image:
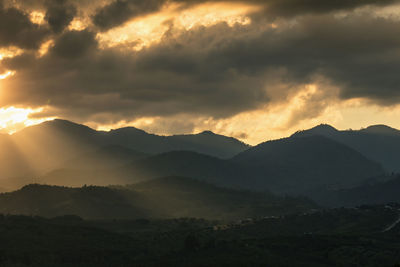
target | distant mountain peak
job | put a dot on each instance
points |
(381, 129)
(129, 129)
(322, 129)
(325, 126)
(207, 133)
(57, 124)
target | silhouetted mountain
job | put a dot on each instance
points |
(49, 145)
(296, 165)
(206, 142)
(221, 146)
(381, 129)
(379, 143)
(165, 197)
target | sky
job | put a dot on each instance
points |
(255, 70)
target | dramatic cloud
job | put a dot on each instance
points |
(120, 11)
(59, 14)
(16, 29)
(307, 55)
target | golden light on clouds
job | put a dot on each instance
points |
(10, 52)
(77, 25)
(13, 119)
(37, 17)
(44, 48)
(6, 75)
(276, 121)
(148, 30)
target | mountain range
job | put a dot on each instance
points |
(49, 145)
(63, 153)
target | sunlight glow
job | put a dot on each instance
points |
(9, 52)
(13, 119)
(37, 17)
(77, 25)
(6, 75)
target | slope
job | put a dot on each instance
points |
(163, 198)
(297, 165)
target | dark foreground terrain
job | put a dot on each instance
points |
(363, 236)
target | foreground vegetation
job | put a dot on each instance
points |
(337, 237)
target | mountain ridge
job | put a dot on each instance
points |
(379, 143)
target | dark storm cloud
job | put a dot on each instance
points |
(59, 14)
(16, 29)
(120, 11)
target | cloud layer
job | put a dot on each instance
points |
(347, 49)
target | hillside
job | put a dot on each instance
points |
(50, 201)
(171, 197)
(297, 165)
(288, 166)
(184, 197)
(369, 194)
(379, 143)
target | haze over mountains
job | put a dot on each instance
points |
(63, 153)
(50, 144)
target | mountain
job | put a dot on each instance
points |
(206, 142)
(170, 197)
(381, 129)
(49, 145)
(299, 164)
(379, 143)
(210, 143)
